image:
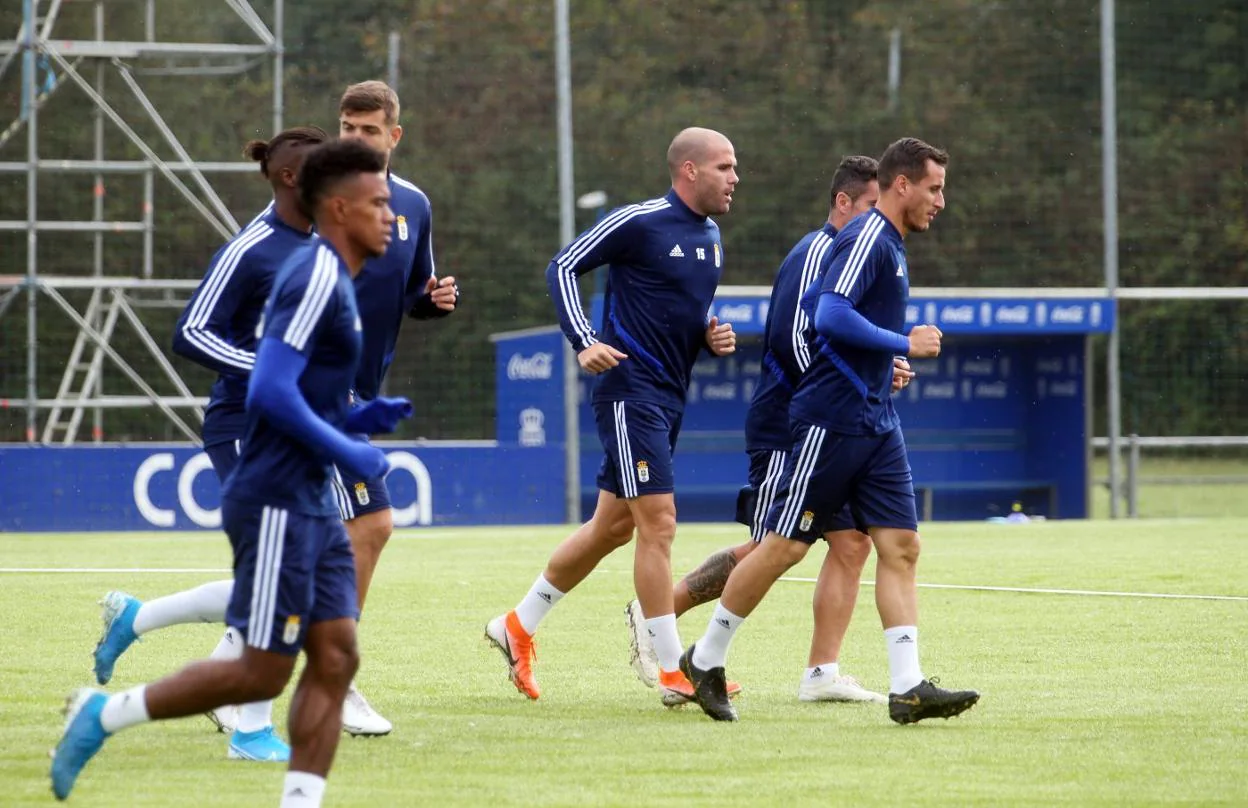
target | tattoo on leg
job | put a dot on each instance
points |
(707, 582)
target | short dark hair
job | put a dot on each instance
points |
(262, 150)
(852, 176)
(326, 165)
(370, 96)
(909, 156)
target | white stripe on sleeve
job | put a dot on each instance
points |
(579, 249)
(211, 289)
(858, 256)
(315, 297)
(810, 271)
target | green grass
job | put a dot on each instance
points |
(1086, 700)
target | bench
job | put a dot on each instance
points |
(925, 492)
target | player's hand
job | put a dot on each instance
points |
(902, 374)
(443, 292)
(925, 341)
(378, 416)
(600, 357)
(721, 339)
(364, 460)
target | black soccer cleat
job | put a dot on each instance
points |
(710, 688)
(926, 700)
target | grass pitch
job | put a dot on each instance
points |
(1086, 700)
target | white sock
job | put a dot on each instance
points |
(666, 641)
(230, 647)
(541, 599)
(712, 650)
(250, 718)
(255, 716)
(903, 657)
(125, 709)
(302, 790)
(822, 670)
(203, 604)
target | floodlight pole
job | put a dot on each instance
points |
(1109, 198)
(30, 109)
(567, 230)
(279, 65)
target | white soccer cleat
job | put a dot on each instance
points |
(837, 688)
(641, 653)
(359, 718)
(224, 718)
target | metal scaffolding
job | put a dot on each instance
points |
(85, 64)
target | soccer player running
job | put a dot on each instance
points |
(401, 282)
(664, 262)
(293, 570)
(218, 330)
(847, 443)
(854, 190)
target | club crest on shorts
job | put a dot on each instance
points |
(361, 493)
(643, 471)
(808, 519)
(402, 223)
(291, 633)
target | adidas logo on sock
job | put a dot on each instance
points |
(904, 638)
(816, 673)
(296, 792)
(723, 621)
(676, 252)
(544, 596)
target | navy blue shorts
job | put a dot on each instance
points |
(290, 571)
(825, 472)
(639, 440)
(357, 496)
(755, 500)
(224, 457)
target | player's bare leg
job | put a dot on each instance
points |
(702, 585)
(911, 696)
(836, 592)
(754, 576)
(255, 676)
(704, 661)
(655, 516)
(706, 583)
(610, 528)
(316, 708)
(92, 717)
(896, 593)
(369, 534)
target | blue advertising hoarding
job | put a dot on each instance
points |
(173, 487)
(1000, 417)
(1012, 316)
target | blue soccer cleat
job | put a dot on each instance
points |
(262, 745)
(82, 738)
(119, 612)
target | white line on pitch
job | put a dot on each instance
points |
(158, 570)
(1088, 592)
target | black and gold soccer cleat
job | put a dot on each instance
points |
(710, 688)
(926, 700)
